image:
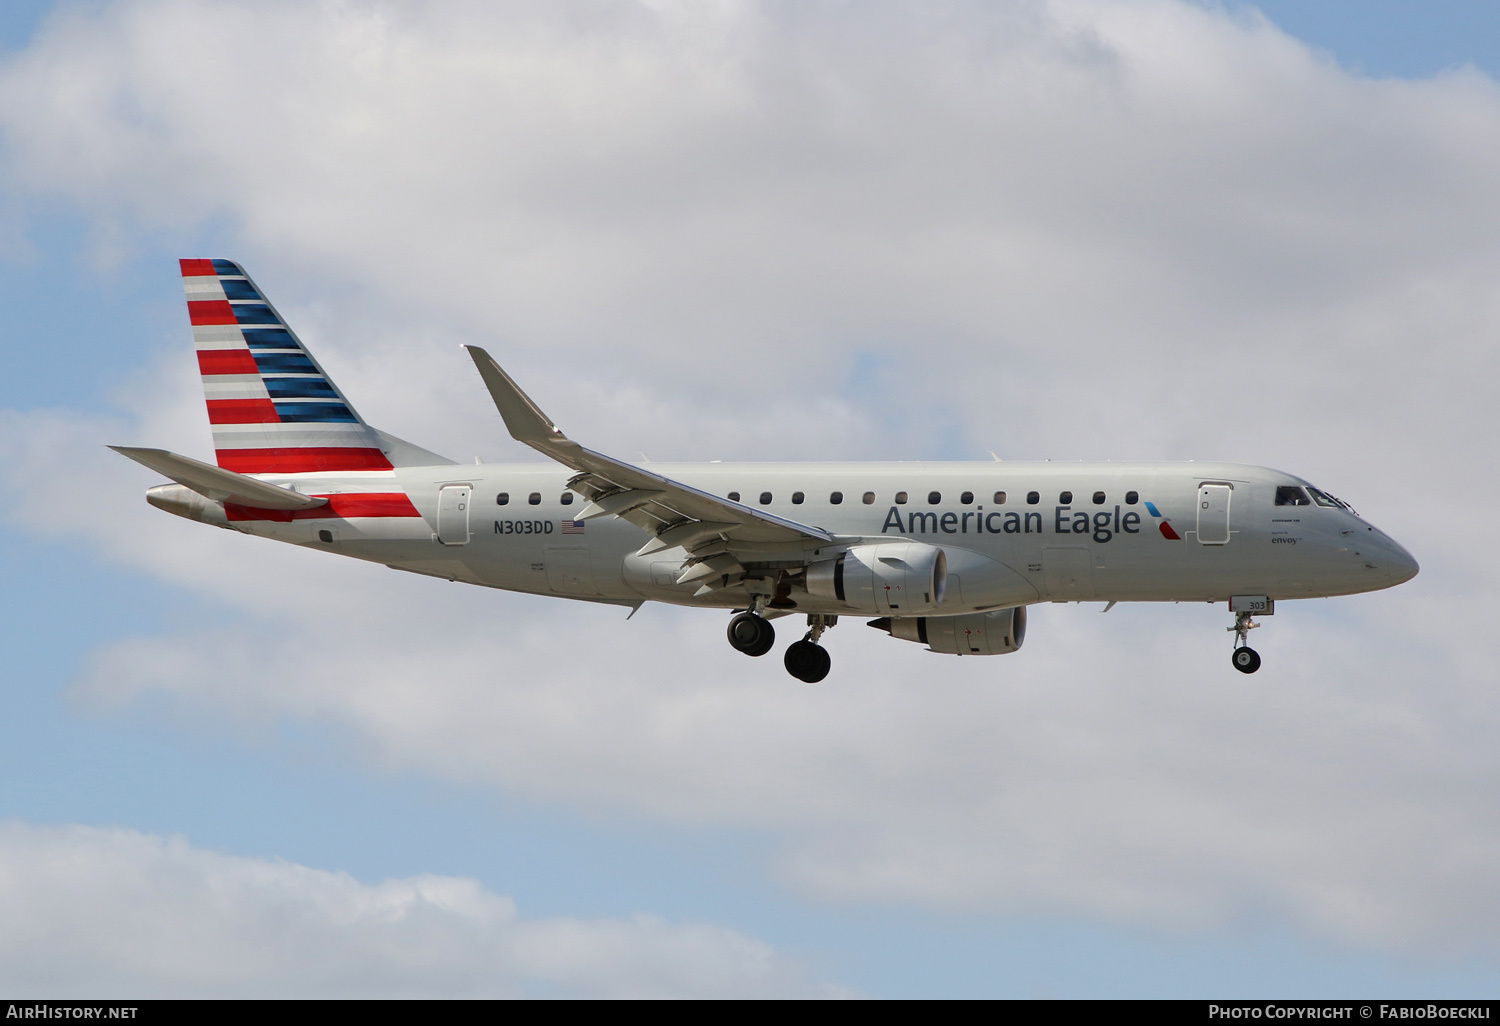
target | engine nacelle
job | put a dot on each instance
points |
(897, 578)
(994, 633)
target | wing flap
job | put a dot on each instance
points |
(617, 503)
(689, 534)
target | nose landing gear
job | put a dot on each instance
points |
(1244, 658)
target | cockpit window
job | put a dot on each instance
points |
(1324, 499)
(1291, 495)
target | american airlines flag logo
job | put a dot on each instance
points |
(572, 527)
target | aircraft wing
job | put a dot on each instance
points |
(716, 532)
(218, 484)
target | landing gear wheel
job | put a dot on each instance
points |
(1246, 660)
(807, 662)
(752, 634)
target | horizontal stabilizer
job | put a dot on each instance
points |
(219, 484)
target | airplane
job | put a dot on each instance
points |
(944, 554)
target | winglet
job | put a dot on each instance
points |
(219, 484)
(524, 418)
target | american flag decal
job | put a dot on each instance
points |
(572, 527)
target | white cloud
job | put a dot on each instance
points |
(1037, 199)
(1070, 229)
(115, 913)
(1112, 769)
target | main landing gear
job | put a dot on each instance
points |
(751, 633)
(1244, 658)
(807, 660)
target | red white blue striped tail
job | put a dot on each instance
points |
(271, 407)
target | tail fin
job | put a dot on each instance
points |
(271, 407)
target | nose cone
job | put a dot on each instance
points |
(1403, 566)
(1387, 558)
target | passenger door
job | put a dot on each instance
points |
(1213, 513)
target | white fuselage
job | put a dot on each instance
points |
(1094, 531)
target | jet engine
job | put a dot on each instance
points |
(994, 633)
(899, 578)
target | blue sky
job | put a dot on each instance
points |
(1392, 38)
(92, 315)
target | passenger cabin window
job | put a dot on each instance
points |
(503, 499)
(999, 498)
(535, 498)
(901, 498)
(835, 498)
(868, 499)
(765, 498)
(1131, 498)
(567, 499)
(734, 496)
(1098, 498)
(1064, 498)
(966, 498)
(933, 498)
(1291, 495)
(1032, 498)
(797, 498)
